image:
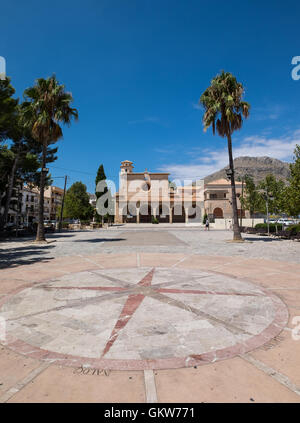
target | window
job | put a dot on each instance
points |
(213, 196)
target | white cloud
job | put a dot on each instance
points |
(214, 160)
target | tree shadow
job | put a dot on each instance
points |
(263, 238)
(20, 256)
(59, 235)
(100, 240)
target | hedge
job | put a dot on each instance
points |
(272, 227)
(295, 229)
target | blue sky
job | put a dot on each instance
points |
(137, 68)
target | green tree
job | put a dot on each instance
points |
(77, 204)
(251, 200)
(274, 190)
(292, 192)
(99, 193)
(47, 106)
(7, 108)
(224, 111)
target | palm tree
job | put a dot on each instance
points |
(224, 108)
(46, 105)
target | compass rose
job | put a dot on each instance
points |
(177, 289)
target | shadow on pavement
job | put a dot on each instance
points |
(100, 240)
(59, 235)
(264, 239)
(20, 256)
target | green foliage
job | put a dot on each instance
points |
(77, 204)
(272, 227)
(292, 192)
(275, 189)
(295, 229)
(108, 199)
(223, 105)
(154, 220)
(204, 218)
(7, 108)
(251, 199)
(47, 105)
(100, 177)
(172, 185)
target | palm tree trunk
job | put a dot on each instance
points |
(40, 234)
(10, 188)
(236, 228)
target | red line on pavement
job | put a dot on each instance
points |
(131, 305)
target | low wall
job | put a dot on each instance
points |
(227, 223)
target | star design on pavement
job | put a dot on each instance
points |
(135, 296)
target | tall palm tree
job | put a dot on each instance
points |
(224, 111)
(46, 106)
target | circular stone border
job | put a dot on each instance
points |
(277, 325)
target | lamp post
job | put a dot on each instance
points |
(267, 196)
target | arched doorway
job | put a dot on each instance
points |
(178, 214)
(145, 213)
(218, 213)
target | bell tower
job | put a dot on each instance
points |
(126, 166)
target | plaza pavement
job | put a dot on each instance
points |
(150, 313)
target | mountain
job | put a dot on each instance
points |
(256, 167)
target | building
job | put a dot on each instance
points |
(30, 200)
(52, 200)
(14, 211)
(30, 203)
(217, 199)
(144, 196)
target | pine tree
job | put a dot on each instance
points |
(7, 108)
(101, 177)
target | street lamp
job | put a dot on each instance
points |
(267, 196)
(229, 173)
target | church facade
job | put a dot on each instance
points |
(145, 197)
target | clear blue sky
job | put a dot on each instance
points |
(137, 68)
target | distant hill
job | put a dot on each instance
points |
(256, 167)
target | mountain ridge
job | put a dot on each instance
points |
(256, 167)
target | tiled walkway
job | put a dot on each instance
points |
(150, 326)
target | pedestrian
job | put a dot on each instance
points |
(207, 224)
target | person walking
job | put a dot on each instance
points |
(207, 224)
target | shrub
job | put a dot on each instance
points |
(271, 225)
(85, 222)
(154, 220)
(294, 229)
